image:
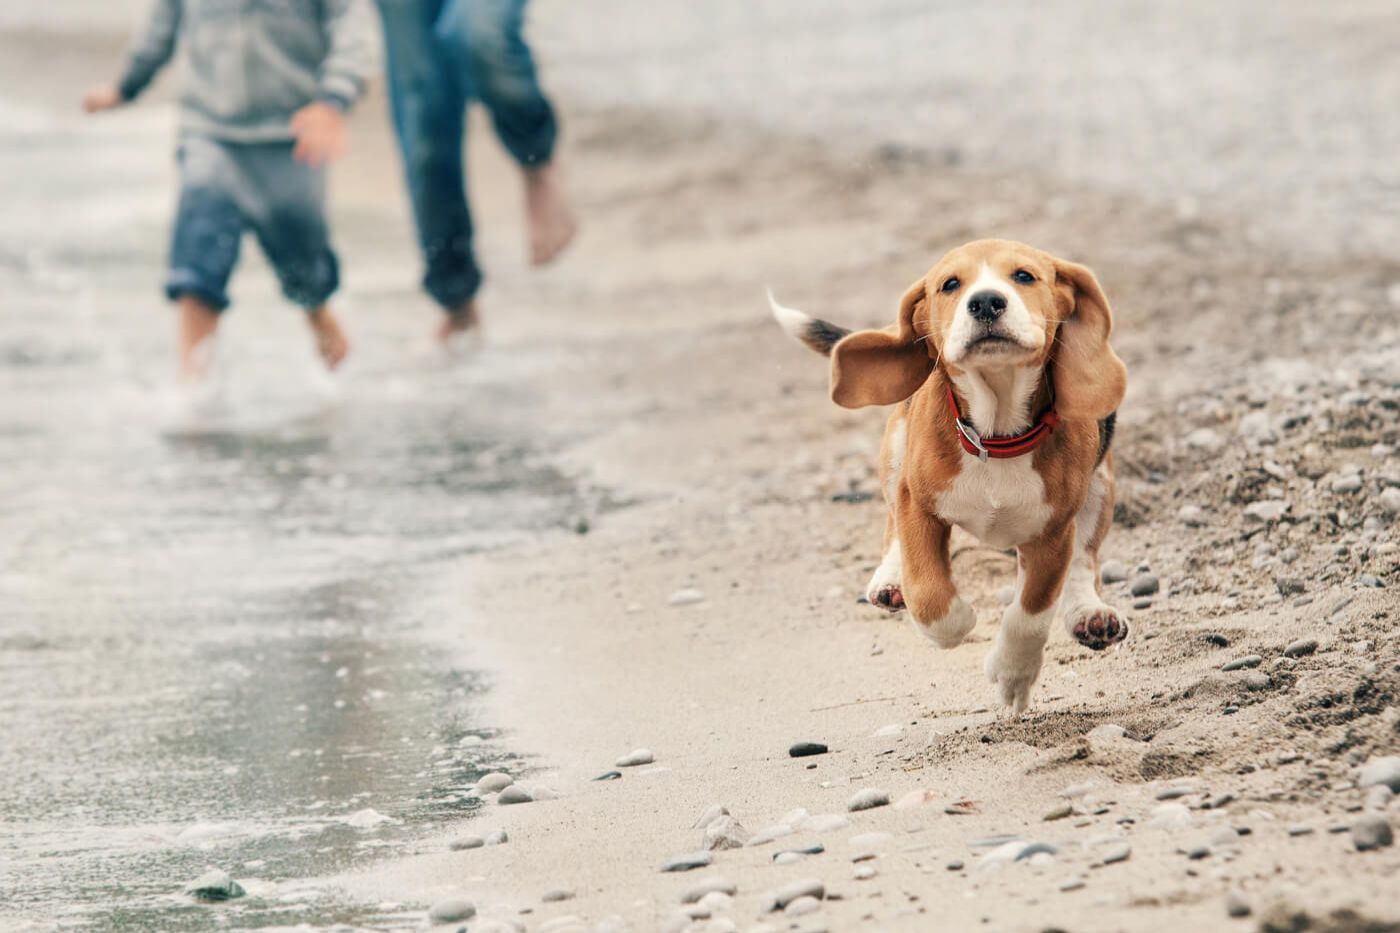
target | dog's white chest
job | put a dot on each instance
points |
(1001, 502)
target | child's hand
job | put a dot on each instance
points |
(102, 97)
(320, 133)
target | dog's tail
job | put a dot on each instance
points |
(817, 334)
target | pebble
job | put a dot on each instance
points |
(1225, 836)
(1142, 602)
(1300, 829)
(725, 832)
(1270, 510)
(788, 856)
(713, 812)
(497, 837)
(955, 865)
(1300, 648)
(804, 749)
(1239, 664)
(863, 872)
(1378, 797)
(1192, 516)
(1371, 832)
(556, 895)
(868, 799)
(686, 597)
(609, 776)
(1059, 812)
(1196, 853)
(640, 756)
(466, 842)
(215, 885)
(1205, 439)
(1113, 571)
(1289, 586)
(494, 782)
(1390, 500)
(1117, 853)
(452, 910)
(803, 887)
(1383, 770)
(1074, 884)
(1236, 906)
(1075, 791)
(688, 862)
(514, 794)
(1216, 639)
(802, 906)
(1347, 483)
(1144, 585)
(1218, 801)
(1175, 792)
(702, 889)
(1256, 680)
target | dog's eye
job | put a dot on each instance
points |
(1022, 276)
(951, 285)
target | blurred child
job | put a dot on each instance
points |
(266, 85)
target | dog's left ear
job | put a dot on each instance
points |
(883, 367)
(1089, 377)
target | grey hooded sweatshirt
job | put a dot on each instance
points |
(250, 64)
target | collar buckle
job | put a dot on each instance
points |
(970, 434)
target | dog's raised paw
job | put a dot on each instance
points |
(1097, 628)
(888, 597)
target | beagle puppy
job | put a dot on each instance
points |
(1005, 389)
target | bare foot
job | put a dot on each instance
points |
(552, 224)
(465, 320)
(331, 342)
(198, 324)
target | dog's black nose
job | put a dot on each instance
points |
(986, 306)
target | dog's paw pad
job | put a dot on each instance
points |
(889, 597)
(1099, 628)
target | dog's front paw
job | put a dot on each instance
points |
(949, 631)
(888, 597)
(1096, 627)
(1013, 670)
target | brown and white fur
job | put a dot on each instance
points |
(1050, 327)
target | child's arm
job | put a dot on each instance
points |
(320, 126)
(149, 53)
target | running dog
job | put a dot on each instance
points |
(1006, 390)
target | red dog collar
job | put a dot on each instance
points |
(1002, 448)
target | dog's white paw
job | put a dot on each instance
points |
(1013, 670)
(887, 596)
(949, 631)
(1096, 626)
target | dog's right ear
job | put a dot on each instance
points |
(882, 367)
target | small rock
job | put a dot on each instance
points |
(1074, 883)
(1196, 853)
(452, 910)
(1289, 586)
(725, 832)
(1257, 680)
(1144, 585)
(466, 842)
(1113, 571)
(863, 872)
(1205, 440)
(1218, 801)
(1378, 797)
(1213, 638)
(1116, 853)
(1225, 836)
(1383, 770)
(632, 759)
(1371, 832)
(802, 906)
(1298, 829)
(804, 749)
(1390, 500)
(514, 794)
(804, 887)
(701, 889)
(1142, 602)
(556, 895)
(497, 837)
(1175, 792)
(1239, 664)
(955, 865)
(214, 885)
(1347, 483)
(1058, 812)
(1270, 510)
(814, 849)
(1300, 648)
(688, 862)
(868, 799)
(1236, 906)
(686, 597)
(1192, 516)
(494, 782)
(609, 776)
(713, 812)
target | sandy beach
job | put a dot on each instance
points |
(697, 597)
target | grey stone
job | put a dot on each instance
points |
(514, 794)
(1300, 648)
(1270, 510)
(1206, 440)
(713, 812)
(1074, 883)
(688, 862)
(864, 872)
(1239, 664)
(802, 906)
(779, 898)
(556, 895)
(1347, 483)
(1236, 906)
(215, 885)
(1257, 680)
(806, 749)
(1113, 571)
(1218, 801)
(1371, 832)
(609, 776)
(1378, 797)
(1192, 516)
(1144, 585)
(493, 782)
(814, 849)
(1142, 602)
(1300, 829)
(1390, 500)
(466, 842)
(698, 890)
(1058, 812)
(451, 910)
(1289, 586)
(1116, 853)
(725, 832)
(1176, 791)
(1195, 853)
(955, 865)
(497, 837)
(686, 597)
(640, 756)
(868, 799)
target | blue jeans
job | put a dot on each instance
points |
(441, 54)
(228, 188)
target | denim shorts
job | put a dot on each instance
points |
(228, 188)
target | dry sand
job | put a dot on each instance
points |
(722, 434)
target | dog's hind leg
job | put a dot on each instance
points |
(1088, 619)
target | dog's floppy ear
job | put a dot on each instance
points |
(1089, 377)
(882, 367)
